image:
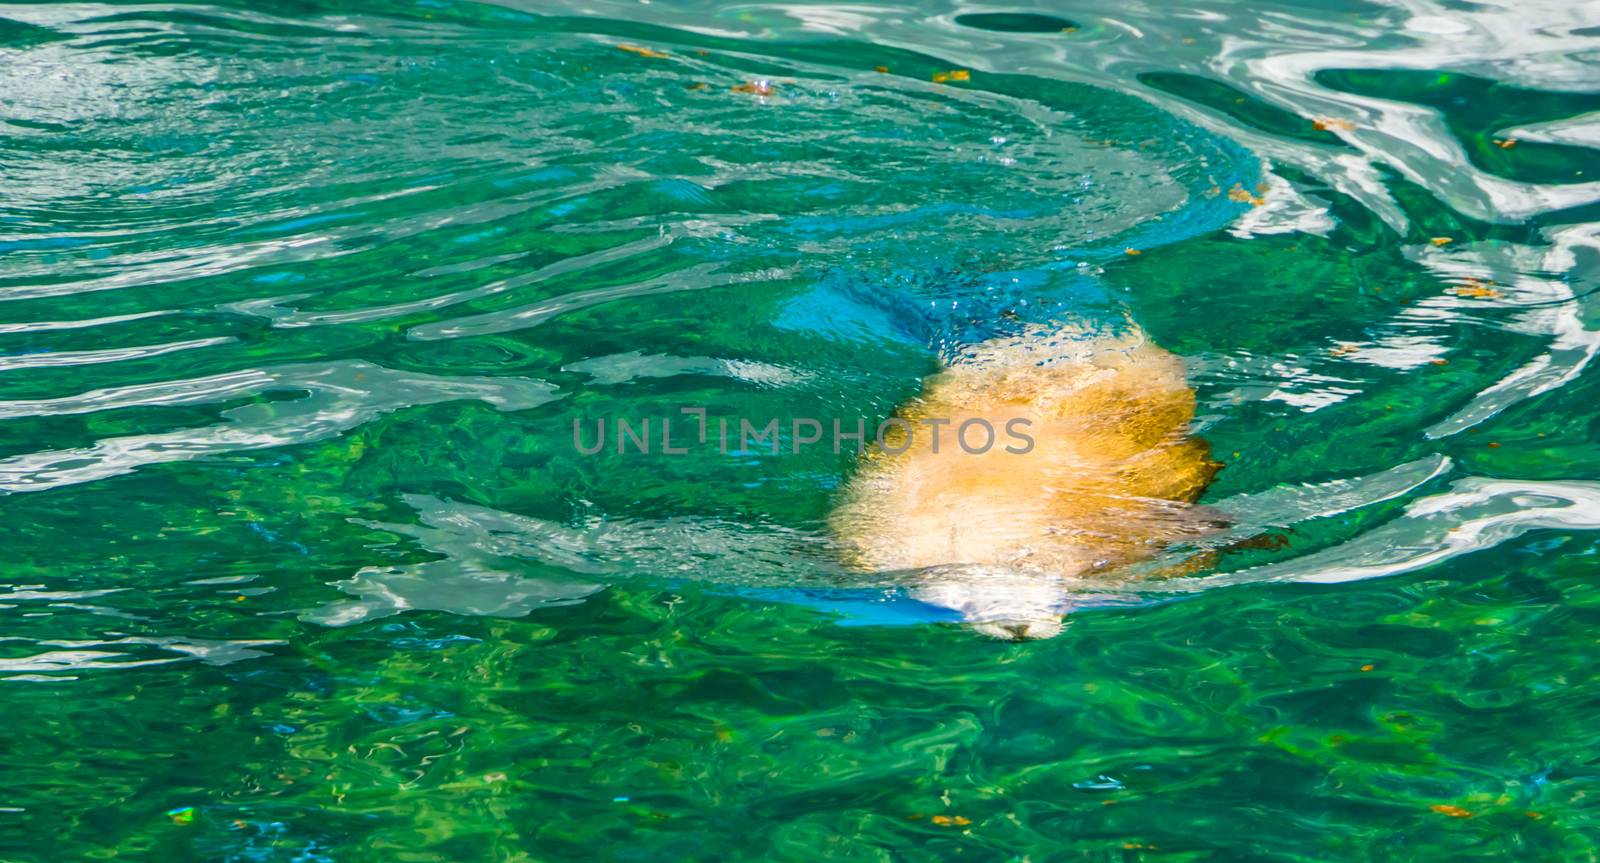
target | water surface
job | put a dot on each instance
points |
(299, 302)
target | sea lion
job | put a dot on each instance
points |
(1005, 534)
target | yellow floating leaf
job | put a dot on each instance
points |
(1452, 811)
(881, 69)
(951, 820)
(1325, 123)
(1506, 143)
(1368, 667)
(762, 87)
(1475, 291)
(1132, 251)
(642, 51)
(952, 75)
(1439, 362)
(1242, 195)
(1441, 241)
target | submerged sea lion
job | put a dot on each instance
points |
(1005, 535)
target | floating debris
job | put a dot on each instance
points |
(1368, 667)
(1452, 811)
(881, 69)
(951, 820)
(1333, 123)
(1439, 362)
(1242, 195)
(698, 85)
(642, 51)
(952, 75)
(761, 87)
(1506, 143)
(1475, 290)
(1344, 348)
(1441, 241)
(1131, 251)
(182, 815)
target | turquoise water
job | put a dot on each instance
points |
(299, 303)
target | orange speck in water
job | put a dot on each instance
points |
(1132, 251)
(1368, 667)
(1494, 444)
(699, 85)
(1506, 143)
(1452, 811)
(1242, 195)
(1534, 815)
(1441, 241)
(1325, 123)
(642, 51)
(759, 88)
(881, 69)
(1439, 362)
(951, 820)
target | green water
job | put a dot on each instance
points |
(299, 303)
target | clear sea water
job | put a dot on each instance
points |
(299, 302)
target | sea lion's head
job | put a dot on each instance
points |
(1000, 603)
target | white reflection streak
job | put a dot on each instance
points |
(1573, 345)
(341, 396)
(54, 359)
(1475, 514)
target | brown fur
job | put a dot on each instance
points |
(1108, 482)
